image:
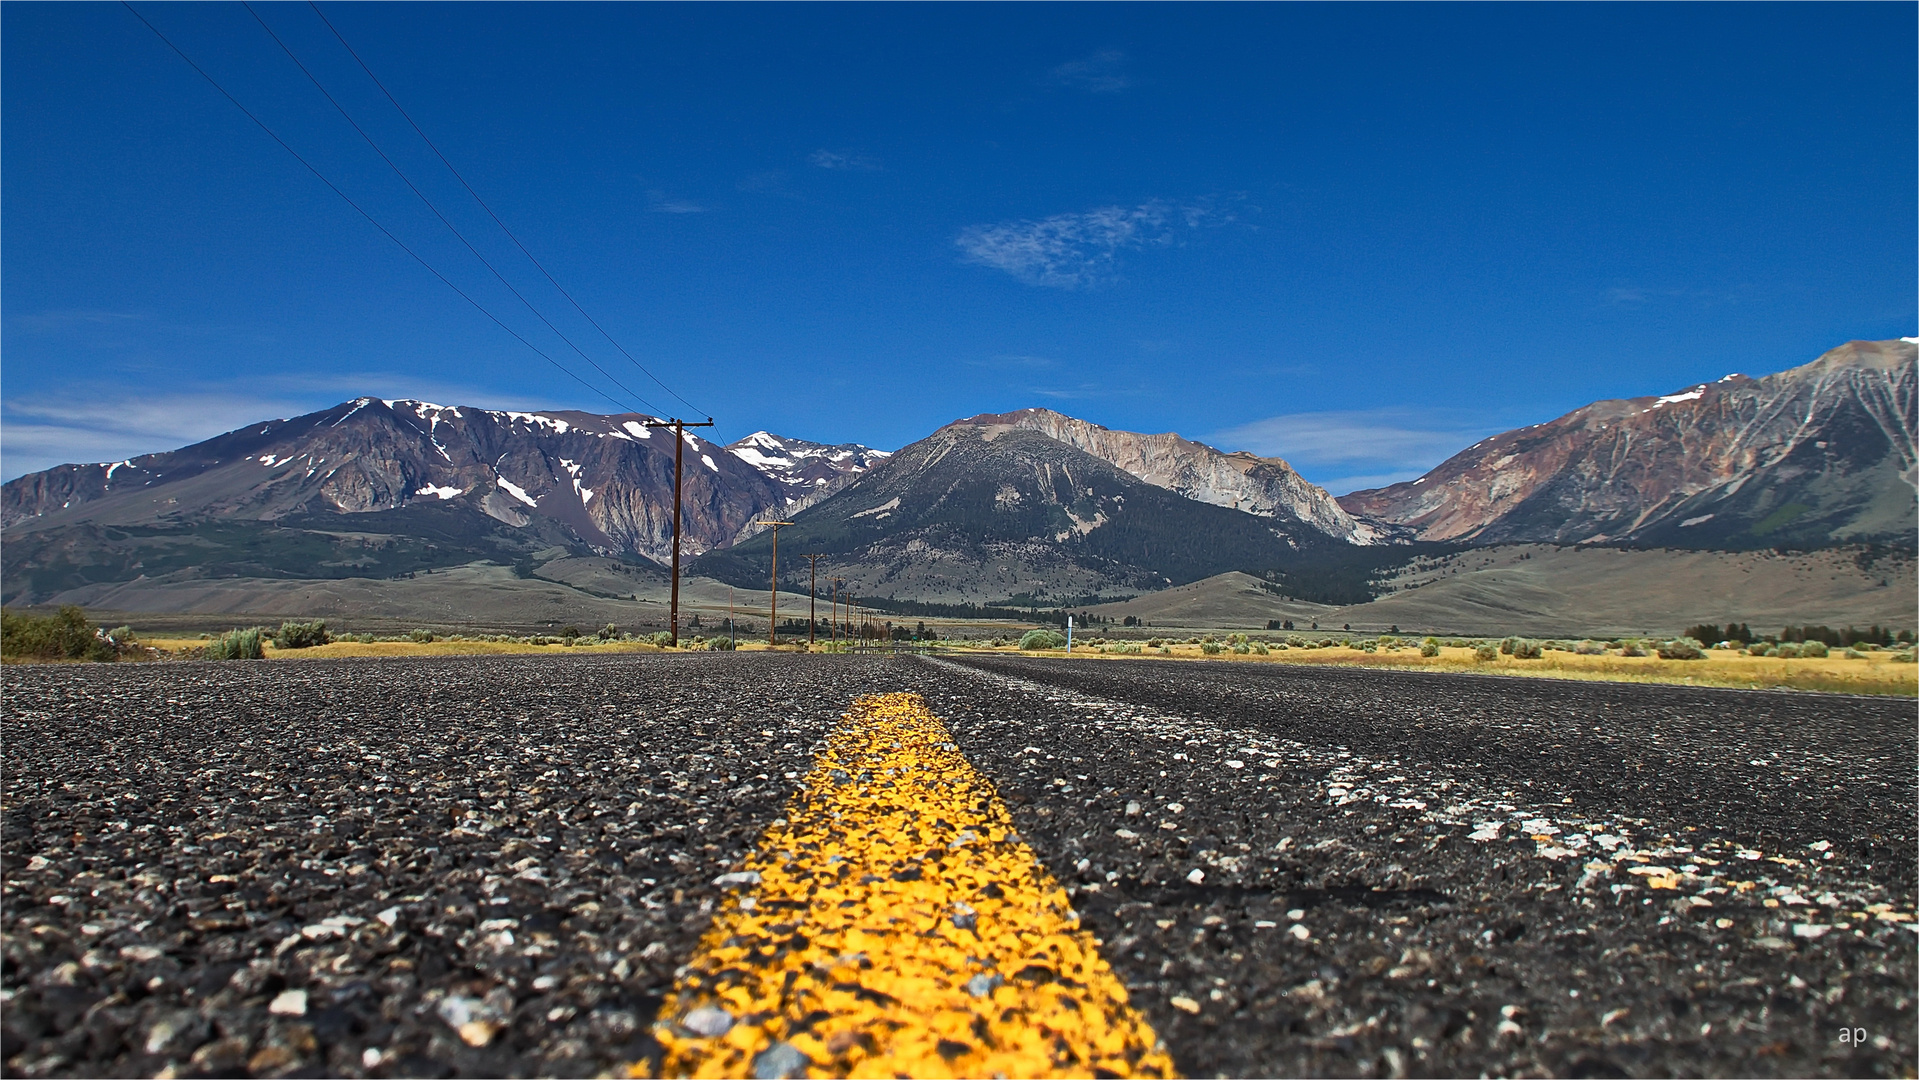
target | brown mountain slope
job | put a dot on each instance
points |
(1548, 591)
(1821, 454)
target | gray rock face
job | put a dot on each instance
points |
(1266, 487)
(1823, 453)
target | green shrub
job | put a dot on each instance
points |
(1429, 647)
(421, 637)
(1523, 648)
(1815, 648)
(1630, 647)
(1485, 650)
(1236, 639)
(1241, 648)
(1209, 647)
(1042, 639)
(64, 635)
(1905, 657)
(570, 633)
(301, 635)
(1259, 648)
(1684, 648)
(1589, 647)
(1508, 645)
(1854, 654)
(662, 638)
(609, 632)
(238, 645)
(720, 644)
(1156, 643)
(1785, 650)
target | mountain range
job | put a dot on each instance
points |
(1031, 506)
(1821, 454)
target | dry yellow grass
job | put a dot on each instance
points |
(1876, 673)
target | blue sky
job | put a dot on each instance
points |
(1360, 237)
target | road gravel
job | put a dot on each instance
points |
(496, 866)
(1352, 872)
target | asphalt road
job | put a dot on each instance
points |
(500, 865)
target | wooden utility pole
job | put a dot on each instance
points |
(773, 608)
(835, 628)
(813, 598)
(679, 442)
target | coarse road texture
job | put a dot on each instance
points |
(510, 865)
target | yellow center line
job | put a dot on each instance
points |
(894, 924)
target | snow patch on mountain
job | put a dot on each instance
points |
(515, 490)
(810, 471)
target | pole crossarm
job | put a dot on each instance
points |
(679, 442)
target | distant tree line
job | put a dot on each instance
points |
(1851, 635)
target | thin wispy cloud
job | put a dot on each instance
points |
(1072, 393)
(1013, 361)
(47, 322)
(1101, 73)
(1348, 450)
(833, 159)
(773, 182)
(1073, 251)
(41, 431)
(1634, 296)
(660, 202)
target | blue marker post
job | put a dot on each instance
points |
(1069, 635)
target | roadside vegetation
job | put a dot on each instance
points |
(1871, 661)
(1864, 668)
(64, 635)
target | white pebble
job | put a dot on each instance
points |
(289, 1003)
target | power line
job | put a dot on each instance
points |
(489, 210)
(421, 195)
(384, 231)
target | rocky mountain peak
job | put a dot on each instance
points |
(801, 464)
(1263, 486)
(810, 471)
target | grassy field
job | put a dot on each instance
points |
(1876, 673)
